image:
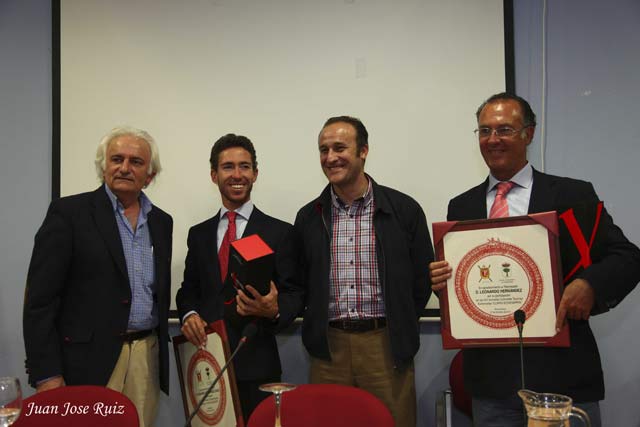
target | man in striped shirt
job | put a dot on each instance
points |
(364, 253)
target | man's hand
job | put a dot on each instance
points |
(576, 303)
(193, 330)
(440, 272)
(50, 384)
(261, 305)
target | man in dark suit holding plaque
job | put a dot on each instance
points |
(598, 273)
(97, 299)
(207, 293)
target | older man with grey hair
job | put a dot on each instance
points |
(98, 287)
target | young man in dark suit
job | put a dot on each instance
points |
(207, 293)
(506, 126)
(97, 298)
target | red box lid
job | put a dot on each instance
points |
(251, 247)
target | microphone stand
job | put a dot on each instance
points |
(243, 340)
(521, 355)
(519, 317)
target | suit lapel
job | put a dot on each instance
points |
(209, 248)
(477, 208)
(254, 224)
(479, 202)
(542, 193)
(106, 225)
(160, 250)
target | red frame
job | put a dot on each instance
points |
(549, 220)
(218, 328)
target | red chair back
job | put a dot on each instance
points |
(78, 406)
(322, 405)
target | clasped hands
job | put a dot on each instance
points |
(257, 305)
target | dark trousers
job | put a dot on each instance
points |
(250, 395)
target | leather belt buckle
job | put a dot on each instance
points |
(135, 335)
(358, 325)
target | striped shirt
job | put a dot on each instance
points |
(355, 291)
(138, 254)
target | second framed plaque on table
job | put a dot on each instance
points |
(197, 369)
(500, 266)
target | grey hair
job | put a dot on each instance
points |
(101, 152)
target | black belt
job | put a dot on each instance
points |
(135, 335)
(359, 325)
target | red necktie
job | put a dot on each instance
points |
(500, 207)
(229, 236)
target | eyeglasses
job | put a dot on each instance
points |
(501, 132)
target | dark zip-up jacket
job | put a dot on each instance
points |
(404, 251)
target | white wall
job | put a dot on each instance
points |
(25, 159)
(275, 71)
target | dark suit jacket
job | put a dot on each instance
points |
(203, 292)
(77, 299)
(574, 371)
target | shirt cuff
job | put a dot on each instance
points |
(189, 313)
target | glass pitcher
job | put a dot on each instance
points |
(550, 410)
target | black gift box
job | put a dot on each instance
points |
(251, 262)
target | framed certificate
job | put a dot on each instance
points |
(500, 266)
(197, 369)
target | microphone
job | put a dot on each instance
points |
(519, 317)
(247, 333)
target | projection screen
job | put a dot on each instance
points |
(191, 71)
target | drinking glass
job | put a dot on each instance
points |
(277, 389)
(10, 400)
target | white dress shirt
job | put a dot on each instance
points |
(244, 212)
(518, 197)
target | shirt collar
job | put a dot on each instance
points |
(524, 178)
(366, 198)
(145, 203)
(244, 211)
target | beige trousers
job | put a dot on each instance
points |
(136, 375)
(363, 360)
